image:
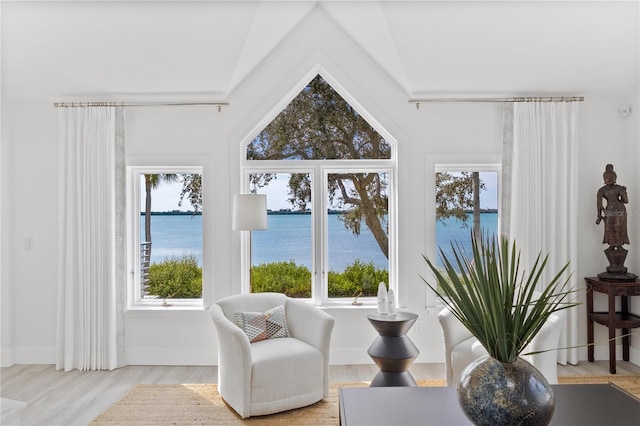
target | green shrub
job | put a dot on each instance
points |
(357, 277)
(295, 280)
(177, 277)
(281, 277)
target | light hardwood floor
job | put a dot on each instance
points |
(76, 398)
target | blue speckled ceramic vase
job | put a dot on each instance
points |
(495, 393)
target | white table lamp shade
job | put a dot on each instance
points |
(249, 212)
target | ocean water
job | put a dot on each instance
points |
(174, 235)
(288, 237)
(454, 230)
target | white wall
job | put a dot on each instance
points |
(606, 137)
(6, 293)
(633, 142)
(632, 146)
(434, 133)
(31, 240)
(433, 130)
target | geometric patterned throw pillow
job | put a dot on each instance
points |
(261, 326)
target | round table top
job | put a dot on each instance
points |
(397, 317)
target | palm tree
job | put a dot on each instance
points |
(151, 182)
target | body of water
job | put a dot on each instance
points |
(453, 230)
(174, 235)
(289, 238)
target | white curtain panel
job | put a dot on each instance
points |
(544, 201)
(91, 264)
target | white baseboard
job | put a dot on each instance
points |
(356, 356)
(6, 358)
(430, 356)
(26, 355)
(349, 357)
(634, 355)
(135, 356)
(195, 356)
(601, 353)
(171, 356)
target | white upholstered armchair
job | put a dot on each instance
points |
(273, 373)
(461, 348)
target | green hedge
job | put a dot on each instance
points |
(295, 280)
(180, 277)
(281, 277)
(357, 277)
(177, 277)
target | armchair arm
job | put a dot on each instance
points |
(309, 324)
(548, 340)
(234, 361)
(453, 333)
(312, 326)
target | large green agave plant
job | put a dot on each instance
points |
(494, 298)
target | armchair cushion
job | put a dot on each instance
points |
(282, 361)
(261, 326)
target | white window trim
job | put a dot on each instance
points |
(477, 163)
(392, 214)
(286, 166)
(134, 302)
(320, 169)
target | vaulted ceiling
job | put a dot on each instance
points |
(54, 49)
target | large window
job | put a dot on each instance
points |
(282, 255)
(166, 237)
(329, 180)
(466, 201)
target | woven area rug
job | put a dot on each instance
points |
(200, 404)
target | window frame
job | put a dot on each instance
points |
(490, 164)
(319, 171)
(134, 301)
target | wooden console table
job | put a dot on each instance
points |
(612, 319)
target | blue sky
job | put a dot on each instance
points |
(166, 197)
(489, 198)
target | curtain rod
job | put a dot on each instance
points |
(518, 99)
(136, 104)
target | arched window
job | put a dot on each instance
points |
(329, 178)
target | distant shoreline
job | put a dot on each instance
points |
(340, 211)
(271, 212)
(174, 213)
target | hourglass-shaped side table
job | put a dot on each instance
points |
(392, 351)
